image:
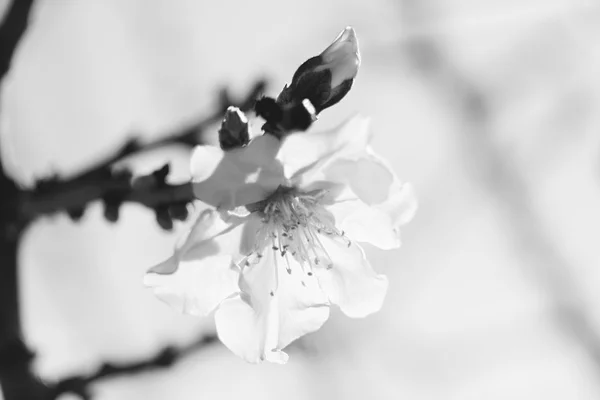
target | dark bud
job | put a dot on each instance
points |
(234, 129)
(325, 79)
(286, 119)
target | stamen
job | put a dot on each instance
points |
(295, 222)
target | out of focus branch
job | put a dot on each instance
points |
(190, 135)
(80, 385)
(115, 187)
(16, 378)
(12, 28)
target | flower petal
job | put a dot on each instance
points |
(196, 287)
(274, 308)
(379, 224)
(351, 283)
(239, 176)
(304, 155)
(201, 272)
(368, 175)
(342, 57)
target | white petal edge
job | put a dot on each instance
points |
(352, 283)
(378, 225)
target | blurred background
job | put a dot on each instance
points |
(489, 107)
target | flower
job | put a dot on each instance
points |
(325, 79)
(282, 243)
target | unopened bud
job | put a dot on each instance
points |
(326, 78)
(287, 119)
(234, 129)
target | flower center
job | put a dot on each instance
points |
(293, 224)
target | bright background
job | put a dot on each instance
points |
(489, 107)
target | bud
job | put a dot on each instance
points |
(326, 78)
(234, 129)
(283, 120)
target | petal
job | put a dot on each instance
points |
(239, 176)
(243, 332)
(363, 223)
(342, 57)
(368, 175)
(250, 234)
(197, 286)
(275, 308)
(375, 203)
(351, 283)
(379, 224)
(305, 154)
(201, 272)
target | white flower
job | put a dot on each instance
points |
(290, 216)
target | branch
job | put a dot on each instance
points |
(16, 379)
(114, 188)
(79, 385)
(11, 30)
(191, 134)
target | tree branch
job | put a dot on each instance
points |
(15, 375)
(168, 356)
(114, 188)
(11, 30)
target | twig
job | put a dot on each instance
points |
(16, 378)
(189, 135)
(11, 30)
(101, 182)
(80, 385)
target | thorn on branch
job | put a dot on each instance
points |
(160, 175)
(76, 213)
(179, 211)
(163, 217)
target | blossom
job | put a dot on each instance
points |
(282, 243)
(325, 79)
